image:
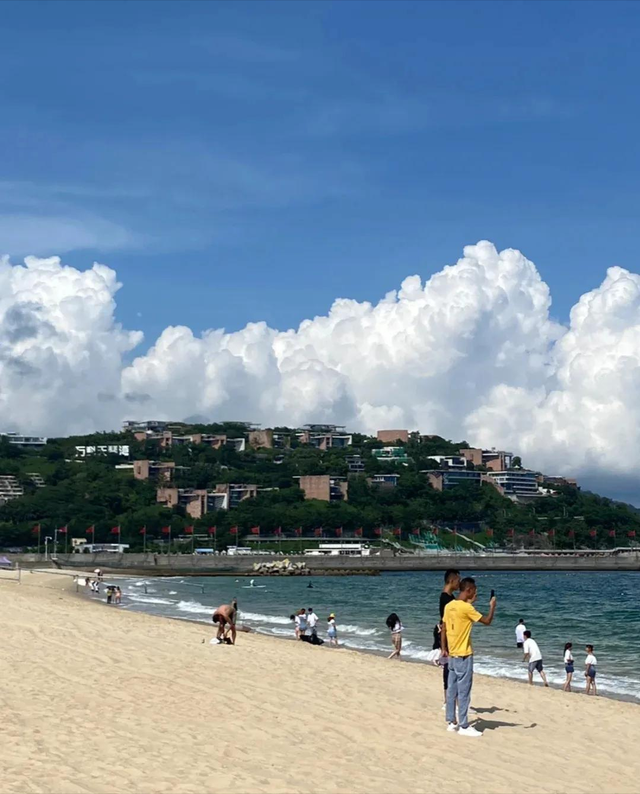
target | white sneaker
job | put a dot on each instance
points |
(452, 726)
(444, 707)
(469, 731)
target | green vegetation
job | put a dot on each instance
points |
(84, 492)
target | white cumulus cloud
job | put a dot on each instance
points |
(472, 352)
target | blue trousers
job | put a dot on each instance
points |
(460, 682)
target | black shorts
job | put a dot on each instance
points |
(519, 644)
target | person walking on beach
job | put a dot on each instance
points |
(394, 624)
(520, 630)
(109, 593)
(117, 596)
(312, 622)
(225, 617)
(332, 631)
(590, 664)
(534, 657)
(459, 617)
(568, 666)
(451, 585)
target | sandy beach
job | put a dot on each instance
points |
(98, 699)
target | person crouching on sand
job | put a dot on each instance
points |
(395, 626)
(568, 666)
(225, 617)
(332, 631)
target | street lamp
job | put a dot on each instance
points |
(46, 547)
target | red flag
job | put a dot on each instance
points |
(397, 532)
(532, 533)
(318, 532)
(277, 531)
(631, 533)
(612, 533)
(212, 530)
(115, 530)
(36, 530)
(298, 531)
(234, 530)
(91, 529)
(188, 530)
(415, 531)
(255, 530)
(338, 532)
(166, 530)
(510, 533)
(143, 531)
(592, 533)
(358, 532)
(489, 533)
(377, 532)
(572, 533)
(551, 533)
(435, 530)
(62, 530)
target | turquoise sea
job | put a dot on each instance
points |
(598, 608)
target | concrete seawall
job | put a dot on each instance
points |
(188, 565)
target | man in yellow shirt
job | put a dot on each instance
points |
(459, 617)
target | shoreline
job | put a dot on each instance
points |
(98, 701)
(616, 696)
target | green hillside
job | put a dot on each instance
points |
(91, 491)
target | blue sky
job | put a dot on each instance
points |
(245, 161)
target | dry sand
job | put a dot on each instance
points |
(97, 699)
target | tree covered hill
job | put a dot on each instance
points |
(79, 493)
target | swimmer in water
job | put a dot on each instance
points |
(251, 583)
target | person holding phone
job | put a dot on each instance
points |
(459, 617)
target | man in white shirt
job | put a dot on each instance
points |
(534, 657)
(520, 630)
(312, 622)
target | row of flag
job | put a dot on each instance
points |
(318, 532)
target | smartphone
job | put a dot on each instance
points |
(493, 592)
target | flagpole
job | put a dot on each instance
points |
(144, 540)
(55, 544)
(66, 541)
(39, 531)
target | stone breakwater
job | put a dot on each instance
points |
(187, 564)
(280, 568)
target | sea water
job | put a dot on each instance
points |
(597, 608)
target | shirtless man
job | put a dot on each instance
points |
(225, 617)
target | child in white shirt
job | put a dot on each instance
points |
(590, 664)
(394, 624)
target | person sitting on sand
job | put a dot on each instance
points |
(533, 655)
(225, 617)
(590, 671)
(568, 666)
(332, 631)
(395, 626)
